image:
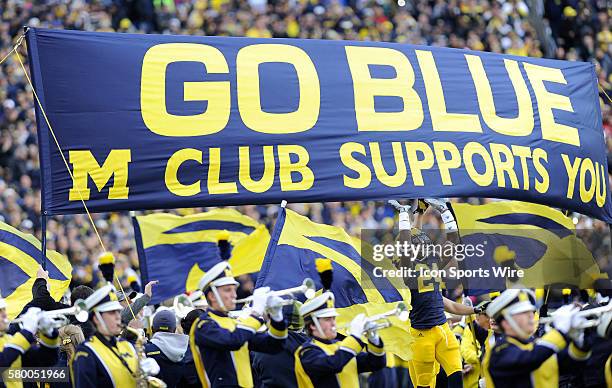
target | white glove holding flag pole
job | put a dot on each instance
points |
(274, 308)
(149, 366)
(29, 320)
(447, 216)
(260, 296)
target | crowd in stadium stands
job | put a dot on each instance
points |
(576, 30)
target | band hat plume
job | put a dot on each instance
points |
(106, 258)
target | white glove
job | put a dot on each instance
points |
(447, 216)
(437, 203)
(562, 318)
(149, 366)
(603, 327)
(46, 325)
(404, 214)
(29, 320)
(576, 334)
(357, 325)
(372, 333)
(274, 308)
(260, 296)
(577, 337)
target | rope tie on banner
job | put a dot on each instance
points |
(93, 225)
(14, 49)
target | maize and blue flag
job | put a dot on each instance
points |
(534, 238)
(20, 256)
(177, 250)
(295, 245)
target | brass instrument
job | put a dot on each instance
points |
(142, 379)
(59, 317)
(381, 321)
(307, 288)
(593, 317)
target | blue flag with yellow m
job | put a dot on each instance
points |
(538, 240)
(177, 250)
(20, 256)
(295, 245)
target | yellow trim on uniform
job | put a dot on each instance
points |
(301, 377)
(197, 357)
(118, 373)
(351, 343)
(154, 353)
(511, 340)
(71, 362)
(608, 371)
(19, 340)
(547, 374)
(240, 358)
(278, 334)
(489, 346)
(375, 350)
(250, 322)
(348, 376)
(578, 354)
(47, 341)
(555, 338)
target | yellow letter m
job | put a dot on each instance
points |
(84, 164)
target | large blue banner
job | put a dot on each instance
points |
(151, 122)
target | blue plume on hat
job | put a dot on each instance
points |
(225, 248)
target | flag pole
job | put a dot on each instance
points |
(43, 259)
(278, 227)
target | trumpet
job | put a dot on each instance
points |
(307, 288)
(237, 313)
(593, 317)
(59, 317)
(381, 321)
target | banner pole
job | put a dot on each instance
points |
(43, 261)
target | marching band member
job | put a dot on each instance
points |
(278, 370)
(20, 350)
(190, 375)
(167, 348)
(103, 360)
(434, 341)
(326, 362)
(516, 359)
(604, 330)
(220, 344)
